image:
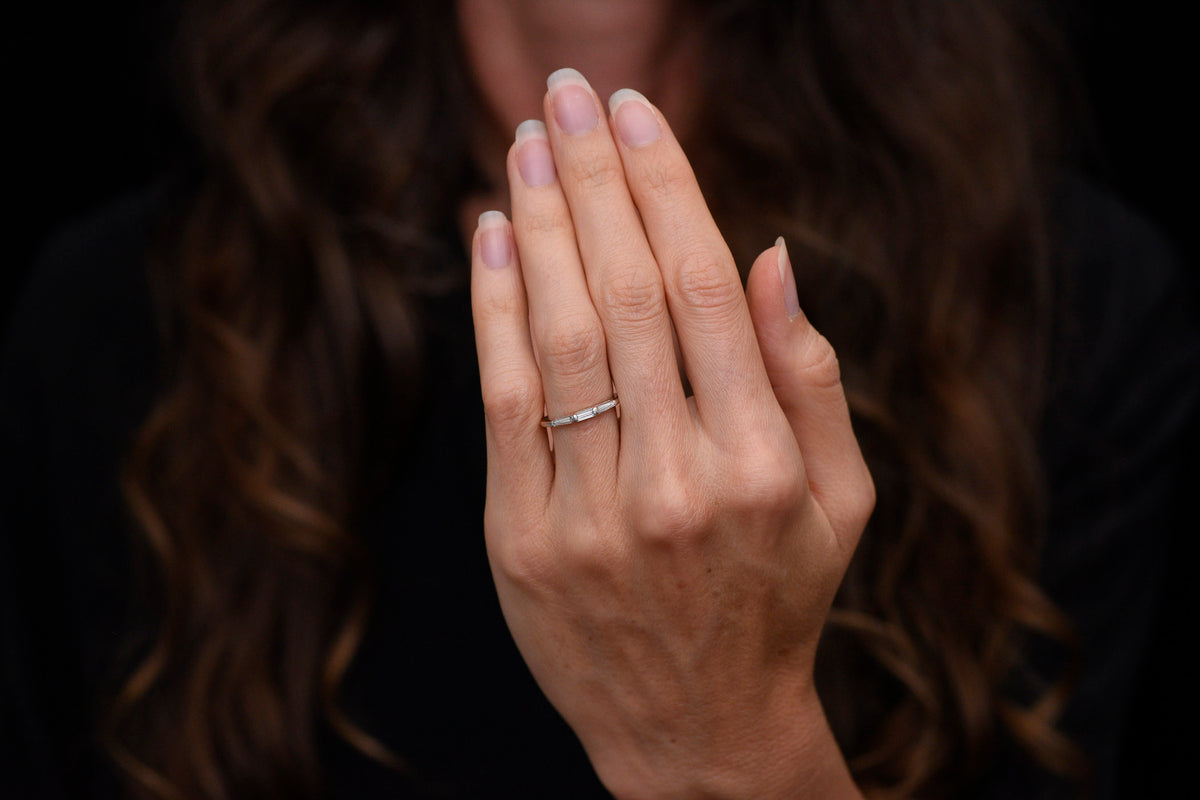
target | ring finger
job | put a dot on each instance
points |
(567, 334)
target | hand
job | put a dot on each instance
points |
(666, 574)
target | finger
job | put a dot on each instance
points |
(624, 281)
(519, 463)
(804, 374)
(704, 290)
(567, 334)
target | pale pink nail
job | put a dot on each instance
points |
(574, 106)
(535, 162)
(636, 122)
(790, 299)
(494, 245)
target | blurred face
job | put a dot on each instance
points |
(512, 45)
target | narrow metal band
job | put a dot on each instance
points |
(580, 416)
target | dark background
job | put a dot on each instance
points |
(88, 118)
(90, 113)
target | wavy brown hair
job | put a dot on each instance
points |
(901, 149)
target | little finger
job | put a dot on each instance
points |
(519, 464)
(806, 380)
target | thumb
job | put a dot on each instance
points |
(803, 369)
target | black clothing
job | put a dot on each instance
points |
(437, 677)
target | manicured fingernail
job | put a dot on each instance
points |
(790, 299)
(637, 124)
(534, 159)
(495, 246)
(574, 105)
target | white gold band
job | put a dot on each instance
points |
(580, 416)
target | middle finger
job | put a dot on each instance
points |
(623, 278)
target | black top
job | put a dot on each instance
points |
(437, 677)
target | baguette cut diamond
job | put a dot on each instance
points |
(580, 416)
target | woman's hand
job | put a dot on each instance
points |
(666, 574)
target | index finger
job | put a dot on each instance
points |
(703, 287)
(518, 458)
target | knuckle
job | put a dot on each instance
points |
(544, 221)
(821, 368)
(573, 347)
(525, 561)
(863, 505)
(668, 511)
(595, 171)
(511, 400)
(633, 296)
(589, 552)
(499, 306)
(667, 177)
(705, 281)
(770, 481)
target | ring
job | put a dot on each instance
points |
(580, 416)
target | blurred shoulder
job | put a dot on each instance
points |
(1126, 304)
(80, 357)
(1111, 254)
(1124, 406)
(86, 299)
(95, 260)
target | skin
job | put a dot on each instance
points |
(512, 45)
(666, 574)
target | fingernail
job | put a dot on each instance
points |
(636, 122)
(790, 299)
(494, 245)
(574, 106)
(534, 159)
